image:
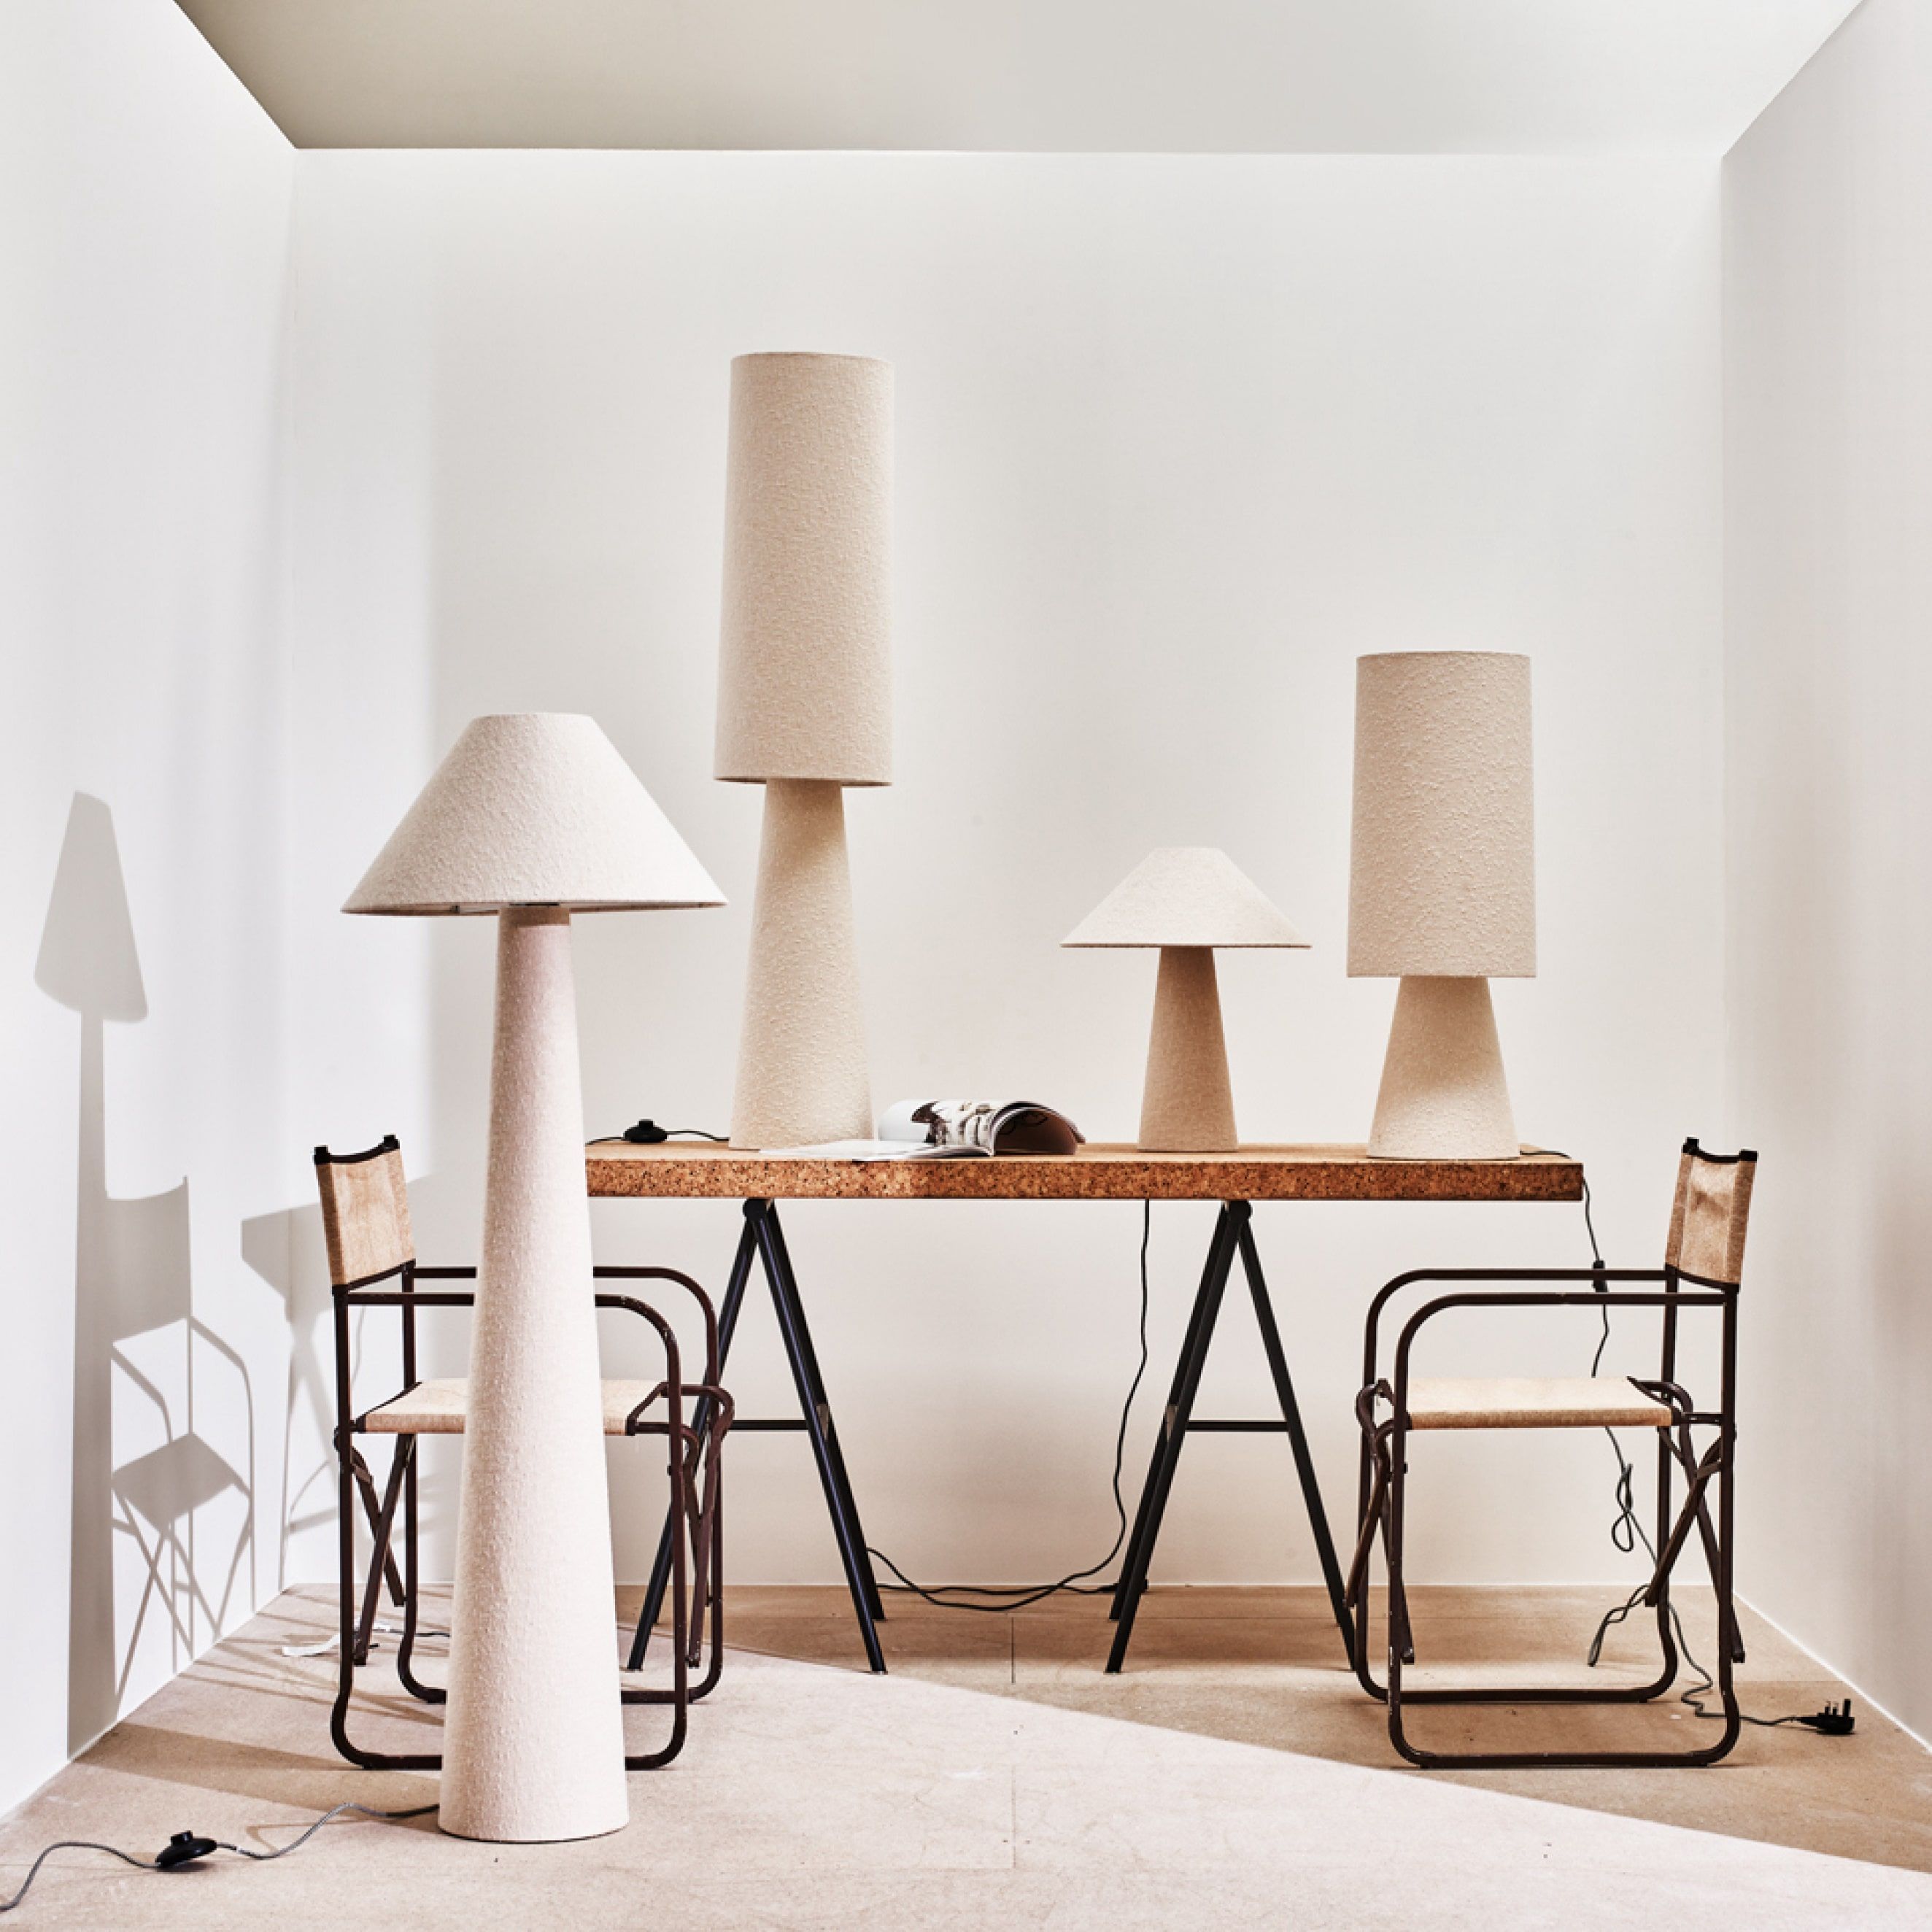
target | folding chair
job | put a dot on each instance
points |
(1703, 1261)
(365, 1218)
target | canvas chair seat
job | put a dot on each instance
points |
(439, 1408)
(1532, 1402)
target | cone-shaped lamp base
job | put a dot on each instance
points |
(802, 1072)
(1187, 1106)
(533, 1745)
(1443, 1095)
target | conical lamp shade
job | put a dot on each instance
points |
(1185, 896)
(533, 809)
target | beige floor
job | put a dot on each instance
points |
(989, 1782)
(1263, 1666)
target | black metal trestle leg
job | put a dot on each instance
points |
(763, 1239)
(1233, 1236)
(1298, 1437)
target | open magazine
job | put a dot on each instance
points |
(956, 1130)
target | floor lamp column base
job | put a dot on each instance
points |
(534, 1744)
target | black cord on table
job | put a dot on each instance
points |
(945, 1595)
(212, 1845)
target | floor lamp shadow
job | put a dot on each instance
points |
(133, 1277)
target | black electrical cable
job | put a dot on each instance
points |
(1627, 1533)
(189, 1847)
(945, 1595)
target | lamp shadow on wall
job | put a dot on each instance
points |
(138, 1343)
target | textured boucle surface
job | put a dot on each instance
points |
(1098, 1171)
(1185, 896)
(802, 1076)
(533, 1745)
(804, 645)
(1442, 875)
(535, 809)
(1187, 1105)
(1443, 1094)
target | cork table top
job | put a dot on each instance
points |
(1099, 1172)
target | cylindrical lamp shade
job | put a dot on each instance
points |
(1442, 873)
(804, 649)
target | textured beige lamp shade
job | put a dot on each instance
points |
(1441, 888)
(1187, 900)
(532, 817)
(804, 708)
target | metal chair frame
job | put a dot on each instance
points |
(1384, 1469)
(694, 1484)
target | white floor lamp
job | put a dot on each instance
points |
(531, 818)
(805, 709)
(1442, 888)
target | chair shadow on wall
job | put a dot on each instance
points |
(285, 1248)
(134, 1286)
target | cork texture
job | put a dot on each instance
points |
(1099, 1172)
(1441, 862)
(538, 809)
(805, 643)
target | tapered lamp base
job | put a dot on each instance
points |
(1443, 1096)
(801, 1068)
(533, 1744)
(1187, 1105)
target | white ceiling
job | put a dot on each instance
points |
(1407, 77)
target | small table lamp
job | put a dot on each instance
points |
(804, 708)
(1442, 889)
(1187, 900)
(531, 818)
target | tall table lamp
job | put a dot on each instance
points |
(1187, 900)
(805, 709)
(531, 818)
(1441, 888)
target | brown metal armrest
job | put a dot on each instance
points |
(685, 1282)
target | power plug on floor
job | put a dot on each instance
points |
(1834, 1721)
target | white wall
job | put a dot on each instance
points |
(1827, 244)
(144, 223)
(1177, 439)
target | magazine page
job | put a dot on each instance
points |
(934, 1129)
